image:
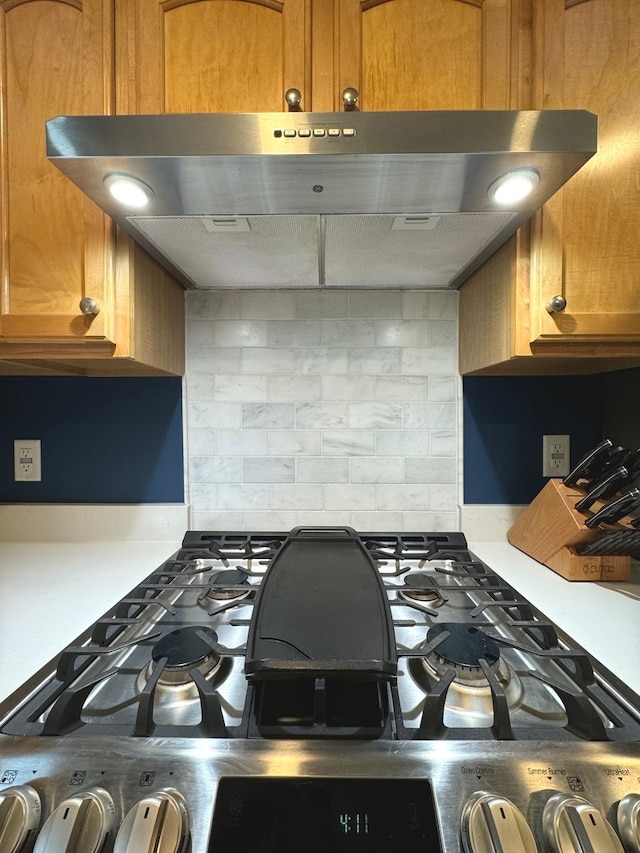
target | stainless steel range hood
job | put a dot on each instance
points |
(307, 200)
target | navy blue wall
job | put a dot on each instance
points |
(622, 407)
(104, 440)
(505, 418)
(119, 440)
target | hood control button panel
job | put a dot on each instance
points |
(316, 132)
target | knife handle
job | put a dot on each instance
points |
(613, 457)
(601, 489)
(617, 543)
(615, 510)
(632, 462)
(582, 467)
(604, 465)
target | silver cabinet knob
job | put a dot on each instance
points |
(293, 97)
(19, 816)
(556, 304)
(628, 817)
(491, 823)
(158, 823)
(80, 824)
(350, 99)
(573, 825)
(89, 306)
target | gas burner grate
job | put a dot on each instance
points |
(124, 630)
(111, 681)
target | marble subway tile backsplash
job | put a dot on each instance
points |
(323, 408)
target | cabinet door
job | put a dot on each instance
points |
(211, 55)
(55, 58)
(585, 242)
(435, 55)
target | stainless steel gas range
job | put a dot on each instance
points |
(327, 690)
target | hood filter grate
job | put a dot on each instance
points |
(268, 252)
(315, 251)
(373, 251)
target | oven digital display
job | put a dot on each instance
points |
(258, 815)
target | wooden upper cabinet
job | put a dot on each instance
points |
(55, 59)
(417, 55)
(586, 240)
(583, 245)
(178, 56)
(242, 55)
(56, 247)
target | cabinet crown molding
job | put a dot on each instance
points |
(7, 5)
(276, 5)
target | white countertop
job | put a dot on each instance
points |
(51, 592)
(604, 618)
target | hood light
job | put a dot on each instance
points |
(130, 192)
(514, 186)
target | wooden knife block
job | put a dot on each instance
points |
(550, 528)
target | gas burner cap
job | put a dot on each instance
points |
(219, 591)
(184, 649)
(422, 588)
(463, 649)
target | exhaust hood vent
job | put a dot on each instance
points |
(331, 251)
(308, 200)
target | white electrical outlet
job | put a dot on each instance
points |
(555, 455)
(26, 459)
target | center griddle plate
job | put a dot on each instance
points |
(321, 610)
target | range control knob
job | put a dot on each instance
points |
(573, 825)
(493, 824)
(80, 824)
(628, 817)
(158, 823)
(19, 816)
